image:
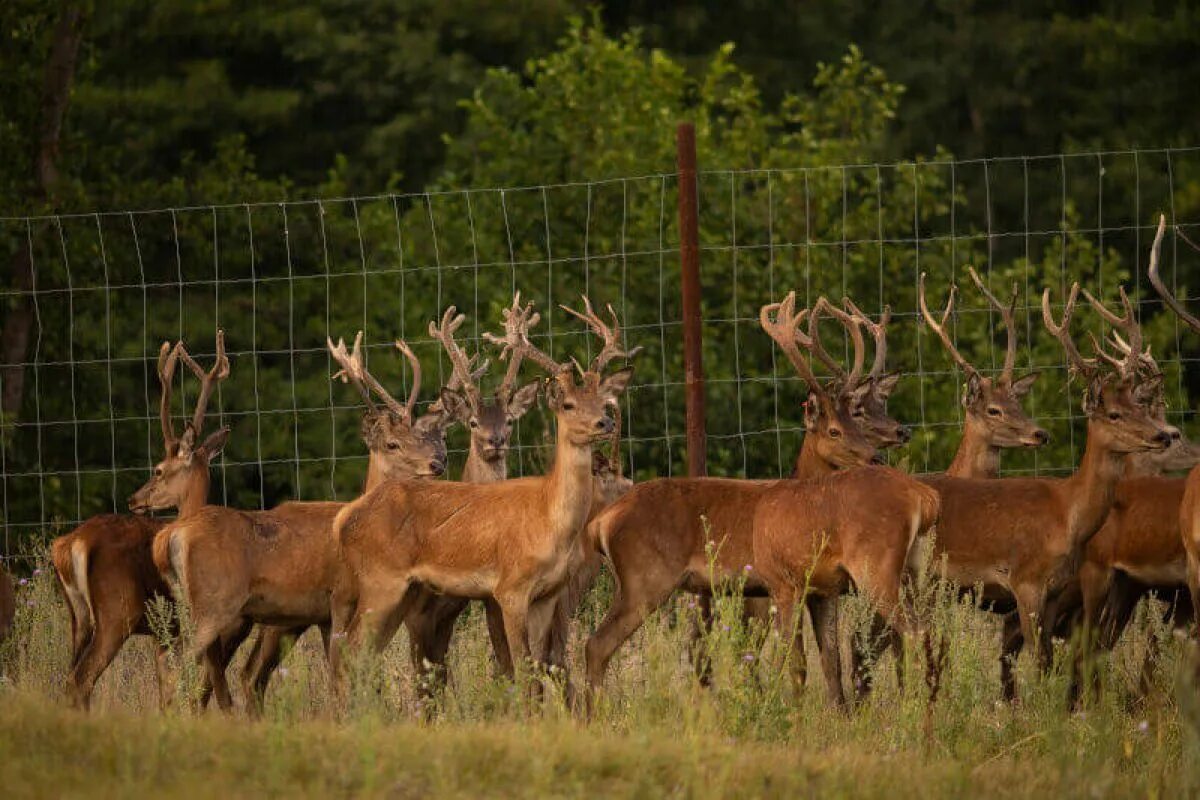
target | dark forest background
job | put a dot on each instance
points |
(136, 105)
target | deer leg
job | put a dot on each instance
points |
(214, 651)
(632, 603)
(165, 675)
(515, 608)
(864, 655)
(702, 624)
(1031, 607)
(1011, 643)
(824, 612)
(264, 658)
(495, 626)
(791, 632)
(106, 641)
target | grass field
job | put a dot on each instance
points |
(656, 731)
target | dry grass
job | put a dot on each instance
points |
(656, 731)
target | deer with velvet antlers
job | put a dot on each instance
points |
(514, 541)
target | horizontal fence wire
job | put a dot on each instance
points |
(279, 278)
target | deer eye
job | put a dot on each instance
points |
(568, 406)
(835, 433)
(993, 411)
(474, 423)
(1114, 415)
(393, 445)
(158, 472)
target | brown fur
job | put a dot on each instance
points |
(814, 539)
(514, 540)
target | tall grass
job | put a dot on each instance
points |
(655, 729)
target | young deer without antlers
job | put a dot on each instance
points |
(513, 541)
(661, 534)
(431, 617)
(1021, 538)
(277, 567)
(104, 567)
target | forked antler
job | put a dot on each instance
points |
(515, 343)
(611, 334)
(1160, 287)
(518, 321)
(878, 333)
(208, 380)
(168, 357)
(1127, 366)
(354, 370)
(1008, 317)
(461, 376)
(1085, 367)
(784, 329)
(852, 325)
(940, 327)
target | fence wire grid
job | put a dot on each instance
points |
(109, 287)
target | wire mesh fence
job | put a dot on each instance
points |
(280, 277)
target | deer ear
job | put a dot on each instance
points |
(522, 400)
(187, 442)
(454, 405)
(973, 391)
(1021, 386)
(886, 384)
(215, 442)
(812, 411)
(554, 394)
(615, 384)
(1093, 395)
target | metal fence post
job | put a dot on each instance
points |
(689, 263)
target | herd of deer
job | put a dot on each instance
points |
(1050, 555)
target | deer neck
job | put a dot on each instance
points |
(480, 470)
(1140, 465)
(1091, 490)
(976, 456)
(569, 487)
(196, 495)
(809, 463)
(376, 472)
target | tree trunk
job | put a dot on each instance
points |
(56, 92)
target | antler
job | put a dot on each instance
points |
(852, 324)
(1084, 366)
(611, 335)
(878, 333)
(784, 329)
(168, 357)
(1157, 282)
(519, 346)
(1127, 367)
(461, 376)
(208, 380)
(354, 370)
(518, 321)
(940, 327)
(1010, 325)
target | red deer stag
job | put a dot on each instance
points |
(276, 567)
(1021, 538)
(104, 567)
(659, 537)
(513, 541)
(431, 618)
(994, 419)
(1189, 509)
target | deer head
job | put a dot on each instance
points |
(868, 400)
(992, 404)
(489, 420)
(400, 446)
(1119, 403)
(835, 435)
(184, 460)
